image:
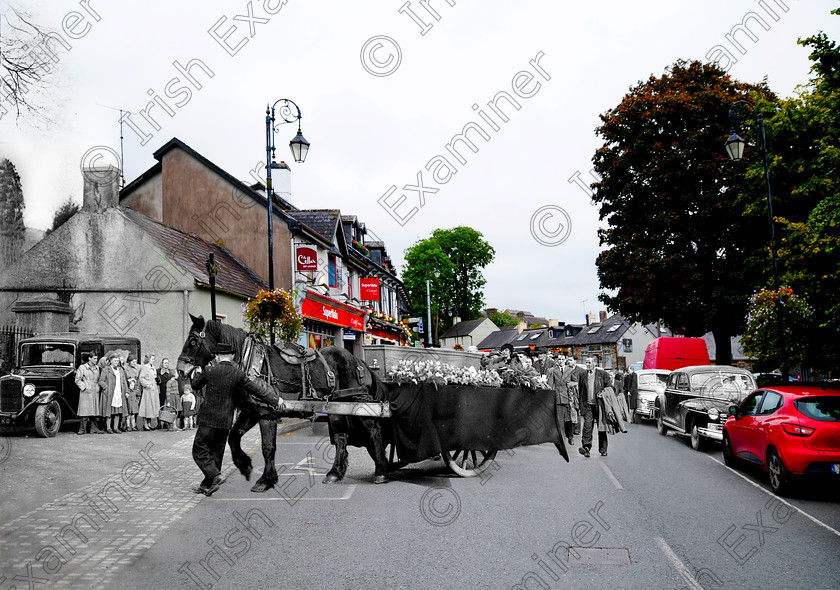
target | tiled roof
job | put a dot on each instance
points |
(322, 221)
(463, 328)
(191, 253)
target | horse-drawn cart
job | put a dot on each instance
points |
(465, 425)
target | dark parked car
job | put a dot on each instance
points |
(696, 401)
(42, 391)
(789, 431)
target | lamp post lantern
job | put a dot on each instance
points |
(735, 146)
(299, 147)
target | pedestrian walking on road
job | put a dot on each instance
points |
(215, 417)
(559, 379)
(149, 402)
(591, 383)
(631, 387)
(87, 380)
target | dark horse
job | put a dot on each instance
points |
(344, 430)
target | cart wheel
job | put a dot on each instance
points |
(468, 463)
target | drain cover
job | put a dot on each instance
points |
(599, 555)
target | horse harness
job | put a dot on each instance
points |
(255, 361)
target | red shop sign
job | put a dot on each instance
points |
(331, 315)
(370, 289)
(307, 258)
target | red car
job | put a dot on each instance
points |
(788, 431)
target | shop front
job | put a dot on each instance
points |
(380, 332)
(328, 322)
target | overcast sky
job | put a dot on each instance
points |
(382, 93)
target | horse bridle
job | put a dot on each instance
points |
(202, 345)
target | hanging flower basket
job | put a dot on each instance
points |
(276, 306)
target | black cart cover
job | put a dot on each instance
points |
(429, 418)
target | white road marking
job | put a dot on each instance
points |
(782, 500)
(611, 476)
(684, 572)
(346, 496)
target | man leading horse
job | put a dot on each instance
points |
(215, 416)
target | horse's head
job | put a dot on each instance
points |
(197, 349)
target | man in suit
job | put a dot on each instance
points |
(631, 389)
(592, 382)
(215, 416)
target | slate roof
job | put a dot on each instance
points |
(603, 335)
(191, 253)
(464, 328)
(322, 221)
(497, 339)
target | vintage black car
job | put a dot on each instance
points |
(696, 401)
(42, 391)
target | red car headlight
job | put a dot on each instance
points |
(797, 430)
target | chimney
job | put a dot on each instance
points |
(603, 316)
(281, 178)
(101, 188)
(591, 318)
(553, 322)
(456, 320)
(520, 327)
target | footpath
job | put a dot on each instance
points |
(85, 536)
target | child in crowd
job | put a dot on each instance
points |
(188, 405)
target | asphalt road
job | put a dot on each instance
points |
(653, 514)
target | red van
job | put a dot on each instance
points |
(675, 353)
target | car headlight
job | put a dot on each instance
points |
(28, 390)
(714, 414)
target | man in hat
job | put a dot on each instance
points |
(215, 416)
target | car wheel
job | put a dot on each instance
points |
(660, 425)
(48, 419)
(698, 443)
(779, 478)
(728, 452)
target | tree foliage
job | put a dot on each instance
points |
(803, 137)
(677, 247)
(778, 329)
(500, 318)
(459, 254)
(65, 211)
(12, 229)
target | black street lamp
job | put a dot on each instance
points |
(212, 271)
(735, 146)
(299, 147)
(429, 340)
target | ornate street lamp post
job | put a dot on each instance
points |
(299, 147)
(735, 146)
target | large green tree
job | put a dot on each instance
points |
(459, 254)
(677, 247)
(803, 136)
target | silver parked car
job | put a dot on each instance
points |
(651, 386)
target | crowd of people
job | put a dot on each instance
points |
(118, 394)
(584, 397)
